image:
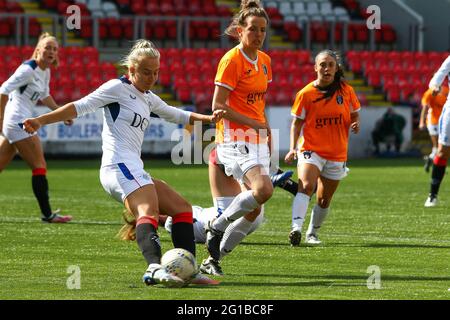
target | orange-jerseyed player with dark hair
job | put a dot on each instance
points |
(429, 118)
(325, 109)
(241, 81)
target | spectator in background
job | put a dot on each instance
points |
(18, 96)
(429, 118)
(389, 129)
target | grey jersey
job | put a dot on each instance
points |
(25, 87)
(126, 115)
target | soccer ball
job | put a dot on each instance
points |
(180, 263)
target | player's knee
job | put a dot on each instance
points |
(324, 202)
(307, 188)
(264, 193)
(253, 215)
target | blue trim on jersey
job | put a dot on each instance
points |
(125, 171)
(114, 109)
(125, 80)
(32, 63)
(154, 115)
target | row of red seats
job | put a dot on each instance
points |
(320, 31)
(13, 55)
(8, 27)
(61, 7)
(10, 6)
(358, 60)
(403, 76)
(175, 8)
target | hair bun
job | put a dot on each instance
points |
(247, 4)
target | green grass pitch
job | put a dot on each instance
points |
(377, 219)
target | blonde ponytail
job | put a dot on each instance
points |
(141, 48)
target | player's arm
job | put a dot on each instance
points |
(220, 98)
(215, 117)
(176, 115)
(296, 127)
(66, 112)
(439, 76)
(3, 101)
(354, 122)
(52, 105)
(423, 115)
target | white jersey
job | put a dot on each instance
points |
(439, 76)
(444, 120)
(25, 87)
(126, 115)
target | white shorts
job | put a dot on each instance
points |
(334, 170)
(239, 157)
(13, 133)
(433, 129)
(444, 125)
(119, 181)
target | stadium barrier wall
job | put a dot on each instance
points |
(84, 136)
(360, 145)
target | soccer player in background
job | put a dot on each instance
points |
(325, 109)
(429, 118)
(127, 104)
(18, 96)
(241, 83)
(443, 152)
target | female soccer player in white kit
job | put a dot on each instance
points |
(127, 104)
(18, 96)
(443, 153)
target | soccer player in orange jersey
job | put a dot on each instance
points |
(242, 78)
(429, 118)
(325, 110)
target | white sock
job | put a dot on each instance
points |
(237, 231)
(243, 203)
(234, 234)
(222, 203)
(318, 215)
(299, 208)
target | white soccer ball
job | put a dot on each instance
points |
(180, 263)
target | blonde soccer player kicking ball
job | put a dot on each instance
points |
(127, 104)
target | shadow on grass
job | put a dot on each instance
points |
(362, 277)
(343, 244)
(35, 221)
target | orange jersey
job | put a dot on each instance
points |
(326, 122)
(435, 104)
(247, 81)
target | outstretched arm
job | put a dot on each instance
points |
(439, 76)
(66, 112)
(50, 103)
